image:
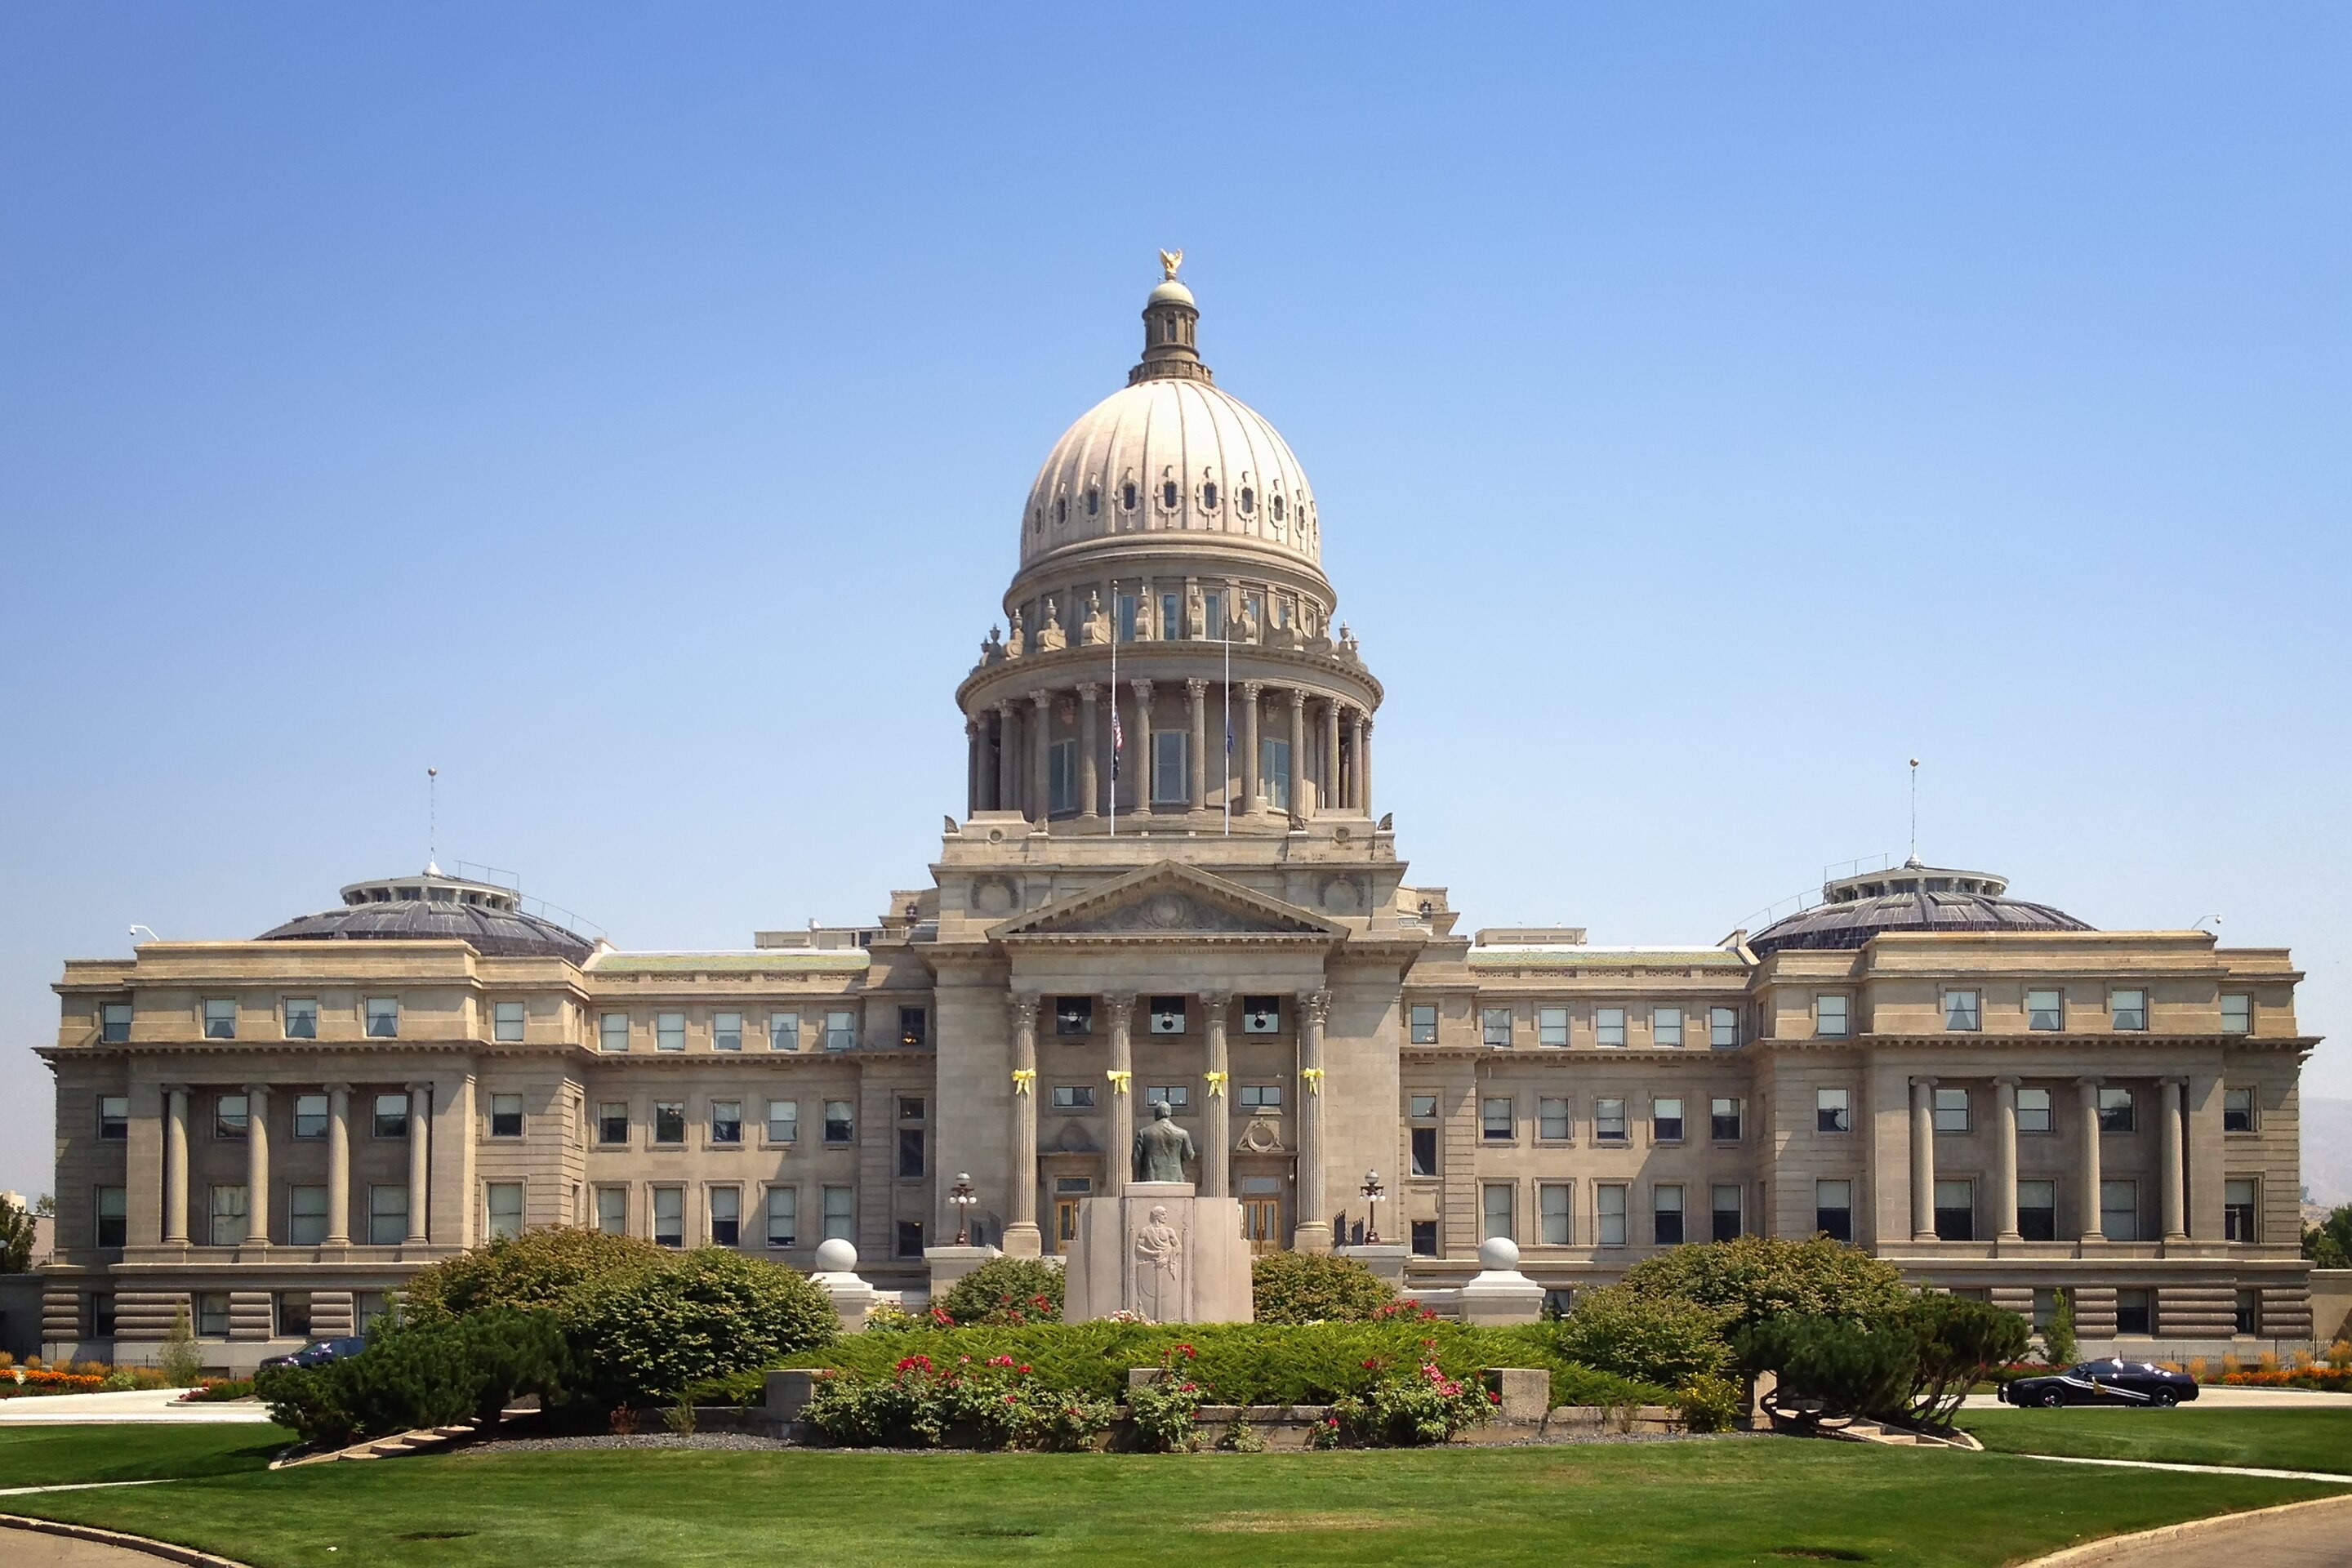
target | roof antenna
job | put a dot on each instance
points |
(432, 820)
(1915, 812)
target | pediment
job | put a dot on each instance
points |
(1169, 901)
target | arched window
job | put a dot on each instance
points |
(1061, 510)
(1167, 494)
(1278, 506)
(1209, 496)
(1248, 501)
(1126, 496)
(1094, 500)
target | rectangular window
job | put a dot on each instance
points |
(1666, 1121)
(228, 1216)
(232, 1115)
(1495, 1120)
(220, 1017)
(1609, 1026)
(2120, 1210)
(1261, 1096)
(613, 1121)
(506, 1021)
(840, 1213)
(1213, 615)
(2037, 1210)
(2249, 1318)
(1424, 1239)
(669, 1216)
(612, 1032)
(613, 1210)
(2237, 1015)
(2238, 1210)
(1495, 1209)
(211, 1314)
(1956, 1211)
(306, 1216)
(1608, 1200)
(1126, 618)
(1273, 772)
(1551, 1025)
(1074, 1096)
(1171, 618)
(384, 1017)
(1960, 1010)
(725, 1122)
(1494, 1027)
(387, 1215)
(910, 1238)
(1666, 1027)
(669, 1122)
(1261, 1015)
(1830, 1019)
(101, 1315)
(1951, 1110)
(783, 1217)
(2045, 1011)
(1723, 1027)
(1062, 777)
(2127, 1009)
(840, 1030)
(114, 1118)
(783, 1031)
(2034, 1113)
(1609, 1121)
(726, 1216)
(1726, 1223)
(370, 1308)
(1175, 1096)
(2237, 1111)
(114, 1216)
(1073, 1015)
(1167, 1016)
(727, 1031)
(914, 1027)
(1423, 1107)
(669, 1031)
(1666, 1214)
(783, 1122)
(1424, 1024)
(1551, 1118)
(2115, 1110)
(840, 1126)
(506, 1116)
(114, 1022)
(502, 1205)
(1833, 1112)
(911, 1152)
(1833, 1210)
(309, 1115)
(1554, 1205)
(301, 1019)
(2134, 1311)
(1424, 1151)
(1723, 1121)
(293, 1314)
(1168, 766)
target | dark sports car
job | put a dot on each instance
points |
(2103, 1383)
(321, 1354)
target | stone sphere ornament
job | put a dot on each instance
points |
(836, 1256)
(1496, 1255)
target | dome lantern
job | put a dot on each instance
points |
(1171, 323)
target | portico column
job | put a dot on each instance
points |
(1008, 760)
(1328, 796)
(1197, 692)
(339, 1165)
(1312, 1231)
(970, 766)
(1923, 1159)
(420, 1156)
(1142, 798)
(1297, 804)
(1250, 690)
(1089, 737)
(257, 1164)
(1364, 766)
(175, 1165)
(1022, 1237)
(2004, 1159)
(1216, 1140)
(1041, 800)
(2090, 1191)
(1121, 1153)
(1356, 760)
(2168, 1163)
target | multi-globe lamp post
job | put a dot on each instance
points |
(1372, 1193)
(963, 1197)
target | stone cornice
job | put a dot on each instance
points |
(1940, 1041)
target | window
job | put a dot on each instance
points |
(840, 1030)
(2120, 1210)
(669, 1122)
(1074, 1096)
(2135, 1311)
(1175, 1096)
(1666, 1027)
(370, 1308)
(1172, 612)
(914, 1027)
(231, 1115)
(211, 1314)
(1666, 1214)
(839, 1124)
(2127, 1009)
(1495, 1209)
(503, 1205)
(1424, 1024)
(1960, 1011)
(1831, 1110)
(1666, 1121)
(220, 1019)
(1956, 1211)
(1554, 1207)
(1830, 1020)
(114, 1118)
(1951, 1110)
(783, 1031)
(911, 1152)
(1074, 1014)
(612, 1032)
(114, 1022)
(1551, 1118)
(2238, 1209)
(113, 1217)
(1723, 1027)
(726, 1216)
(384, 1017)
(1423, 1107)
(301, 1019)
(1723, 1121)
(387, 1215)
(1127, 603)
(2237, 1015)
(613, 1210)
(1424, 1239)
(306, 1216)
(1261, 1015)
(1609, 1026)
(1261, 1096)
(1168, 749)
(669, 1216)
(727, 1122)
(1551, 1025)
(1273, 772)
(228, 1216)
(840, 1213)
(1424, 1151)
(727, 1031)
(2045, 1010)
(1608, 1199)
(1609, 1121)
(783, 1122)
(669, 1031)
(506, 1021)
(506, 1116)
(309, 1115)
(1167, 1016)
(1062, 777)
(2249, 1312)
(2033, 1110)
(2115, 1110)
(613, 1121)
(1834, 1210)
(1494, 1027)
(2237, 1111)
(2037, 1210)
(1726, 1223)
(783, 1217)
(293, 1314)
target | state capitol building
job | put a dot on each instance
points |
(273, 1133)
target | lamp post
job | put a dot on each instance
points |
(1370, 1192)
(962, 1195)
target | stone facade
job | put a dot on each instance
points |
(1170, 880)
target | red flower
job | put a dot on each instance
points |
(1188, 1351)
(1372, 1364)
(1494, 1398)
(1024, 1367)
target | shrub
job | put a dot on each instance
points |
(1005, 1290)
(2058, 1339)
(1708, 1403)
(1408, 1410)
(994, 1404)
(889, 1318)
(1658, 1339)
(1166, 1414)
(180, 1360)
(1756, 1277)
(1315, 1287)
(433, 1375)
(537, 1268)
(1852, 1368)
(1959, 1341)
(650, 1333)
(218, 1390)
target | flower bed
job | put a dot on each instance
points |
(963, 1404)
(2327, 1379)
(24, 1382)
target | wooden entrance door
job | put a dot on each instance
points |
(1262, 1223)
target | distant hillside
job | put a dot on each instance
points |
(2327, 1151)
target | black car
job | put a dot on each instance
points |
(2110, 1382)
(321, 1354)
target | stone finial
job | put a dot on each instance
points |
(1095, 628)
(1050, 635)
(1016, 640)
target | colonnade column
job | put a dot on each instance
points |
(1089, 727)
(176, 1164)
(257, 1164)
(1022, 1237)
(972, 746)
(1121, 1152)
(1312, 1229)
(2004, 1159)
(420, 1156)
(1364, 767)
(1356, 760)
(1197, 692)
(1142, 794)
(2168, 1163)
(339, 1165)
(1041, 799)
(1923, 1159)
(1297, 803)
(1007, 760)
(2089, 1197)
(1328, 797)
(1250, 690)
(1216, 1125)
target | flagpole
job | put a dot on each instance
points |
(1226, 787)
(1114, 708)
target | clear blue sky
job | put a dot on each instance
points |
(629, 409)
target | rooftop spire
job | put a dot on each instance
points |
(1170, 321)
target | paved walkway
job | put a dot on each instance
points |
(137, 1405)
(2313, 1535)
(2339, 1477)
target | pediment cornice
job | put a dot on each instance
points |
(1168, 902)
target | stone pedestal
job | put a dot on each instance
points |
(1157, 1250)
(949, 1263)
(1498, 1293)
(837, 1275)
(1381, 1259)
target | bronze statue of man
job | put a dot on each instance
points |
(1162, 1147)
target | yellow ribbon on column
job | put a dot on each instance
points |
(1217, 1084)
(1023, 1077)
(1118, 1079)
(1313, 1078)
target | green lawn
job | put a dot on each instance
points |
(2274, 1439)
(1745, 1500)
(41, 1457)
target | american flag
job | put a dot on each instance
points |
(1118, 738)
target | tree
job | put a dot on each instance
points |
(180, 1360)
(2328, 1244)
(2058, 1339)
(15, 1240)
(1959, 1341)
(537, 1268)
(1833, 1369)
(1757, 1277)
